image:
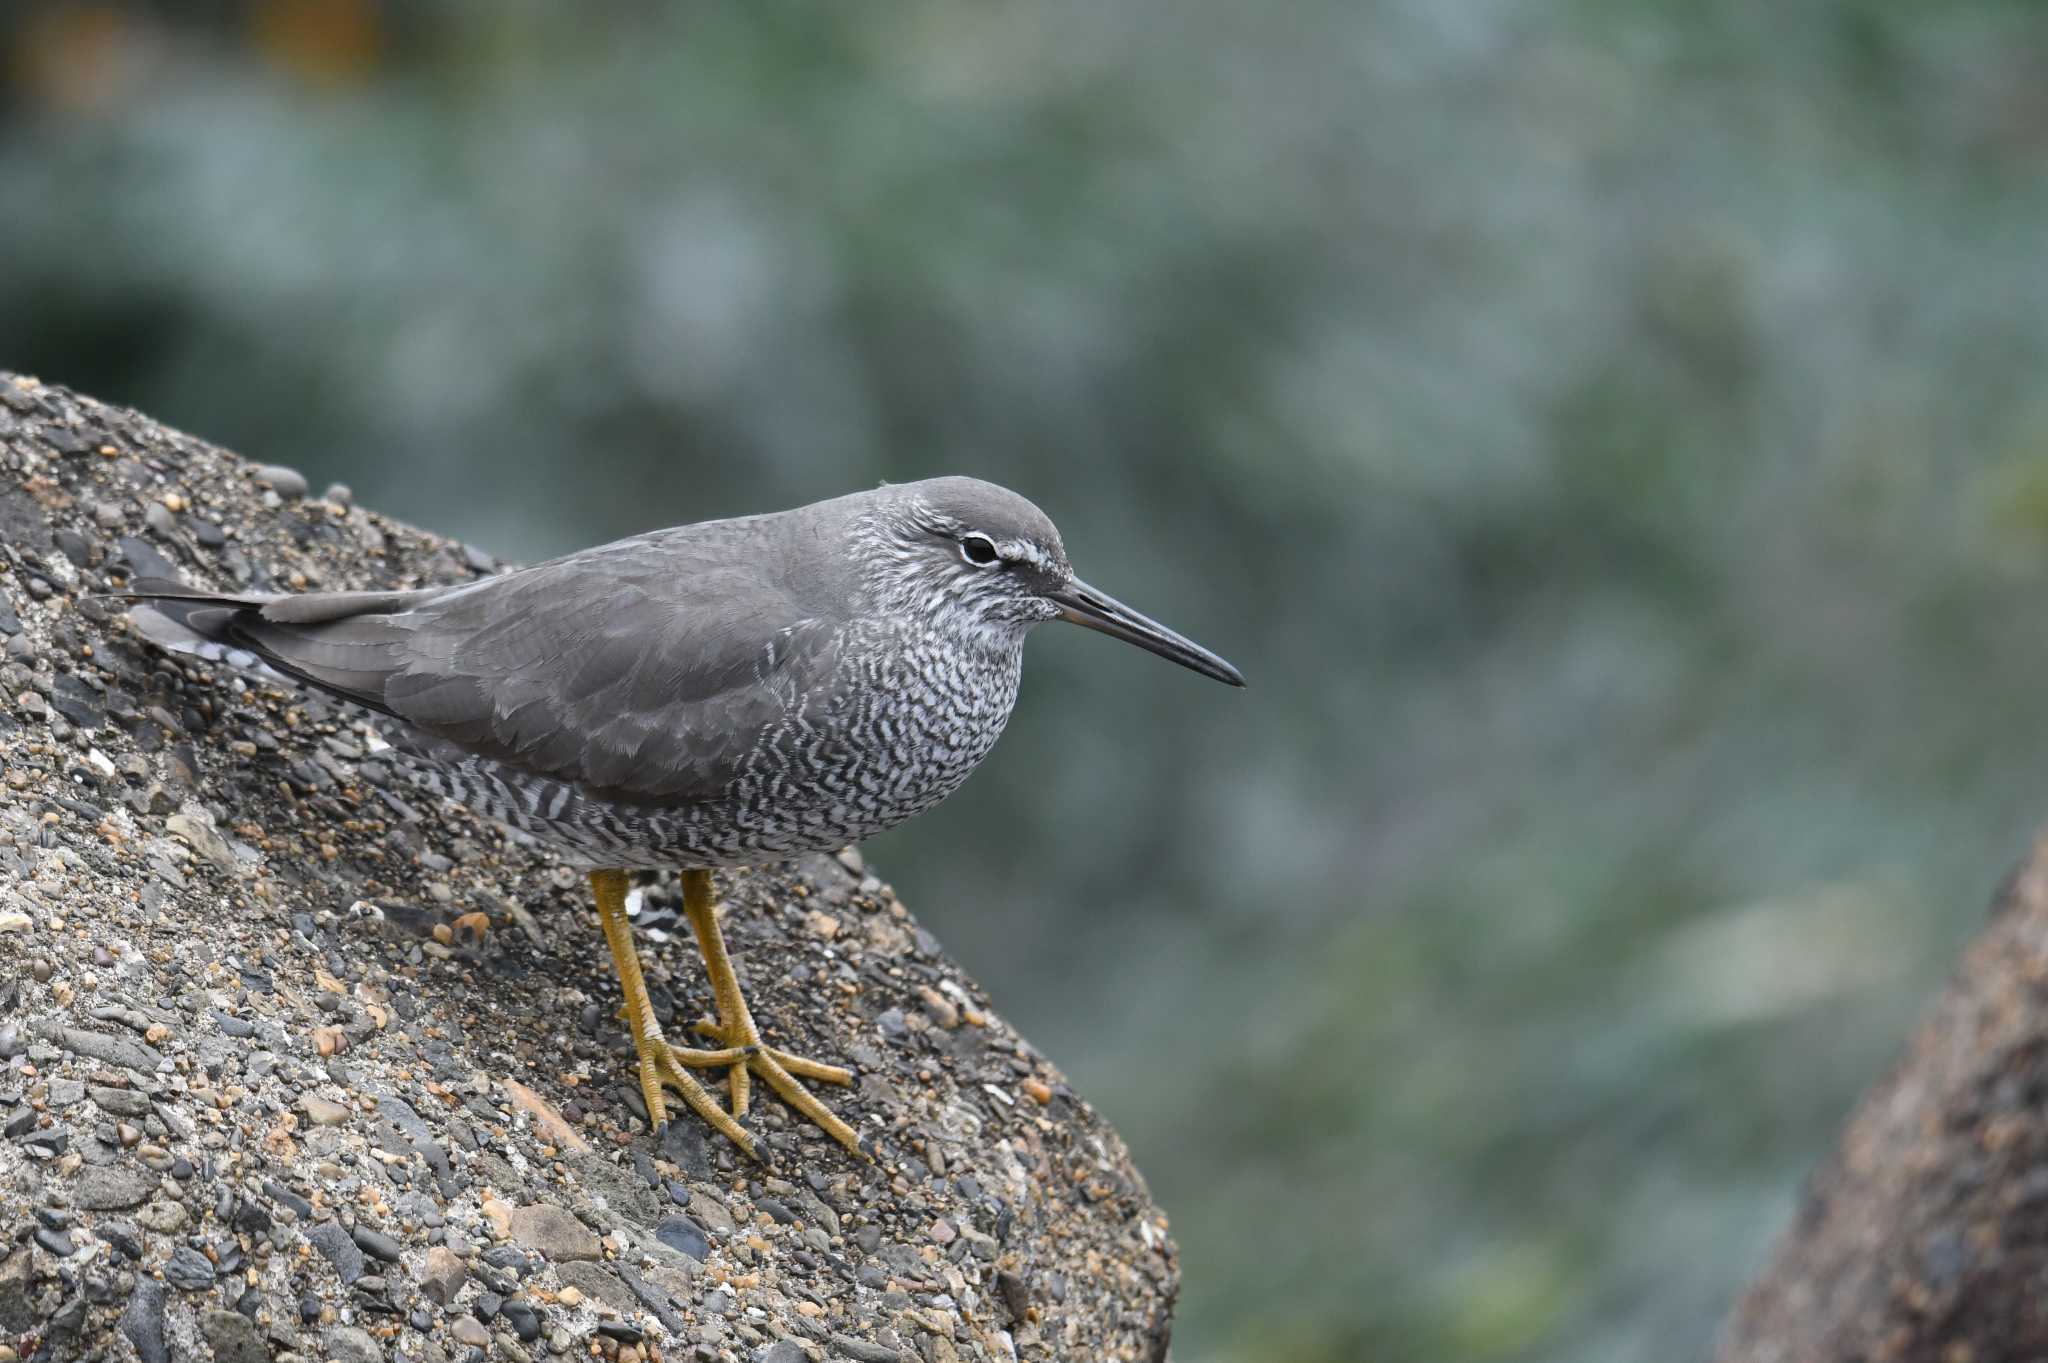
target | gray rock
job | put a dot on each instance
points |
(119, 1102)
(234, 1337)
(288, 483)
(864, 1352)
(77, 702)
(442, 1275)
(554, 1232)
(520, 1315)
(188, 1270)
(781, 1351)
(17, 1312)
(165, 1218)
(335, 1245)
(322, 1111)
(376, 1244)
(111, 1050)
(122, 1236)
(684, 1236)
(232, 1026)
(142, 1321)
(66, 1092)
(1016, 1295)
(709, 1211)
(144, 557)
(347, 1344)
(415, 1131)
(113, 1189)
(654, 1299)
(595, 1280)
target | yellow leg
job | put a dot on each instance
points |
(744, 1050)
(658, 1063)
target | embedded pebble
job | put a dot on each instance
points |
(105, 1189)
(348, 1344)
(376, 1244)
(287, 483)
(338, 1248)
(684, 1236)
(188, 1270)
(142, 1321)
(119, 1102)
(521, 1316)
(553, 1232)
(322, 1111)
(442, 1275)
(234, 1337)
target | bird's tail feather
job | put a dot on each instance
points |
(190, 620)
(172, 615)
(339, 642)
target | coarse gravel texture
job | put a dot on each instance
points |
(296, 1063)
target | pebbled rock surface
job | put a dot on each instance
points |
(296, 1063)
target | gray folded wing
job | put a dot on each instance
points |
(645, 670)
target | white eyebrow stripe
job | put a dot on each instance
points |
(1026, 550)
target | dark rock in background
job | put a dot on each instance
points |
(1920, 1239)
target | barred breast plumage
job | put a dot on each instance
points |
(898, 728)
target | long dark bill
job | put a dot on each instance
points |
(1084, 606)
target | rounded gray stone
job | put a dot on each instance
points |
(287, 483)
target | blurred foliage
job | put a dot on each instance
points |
(1610, 435)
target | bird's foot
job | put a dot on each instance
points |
(744, 1054)
(661, 1066)
(735, 1028)
(658, 1067)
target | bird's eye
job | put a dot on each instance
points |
(979, 550)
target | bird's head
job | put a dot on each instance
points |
(979, 559)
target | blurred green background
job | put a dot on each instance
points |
(1611, 436)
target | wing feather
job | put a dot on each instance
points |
(644, 670)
